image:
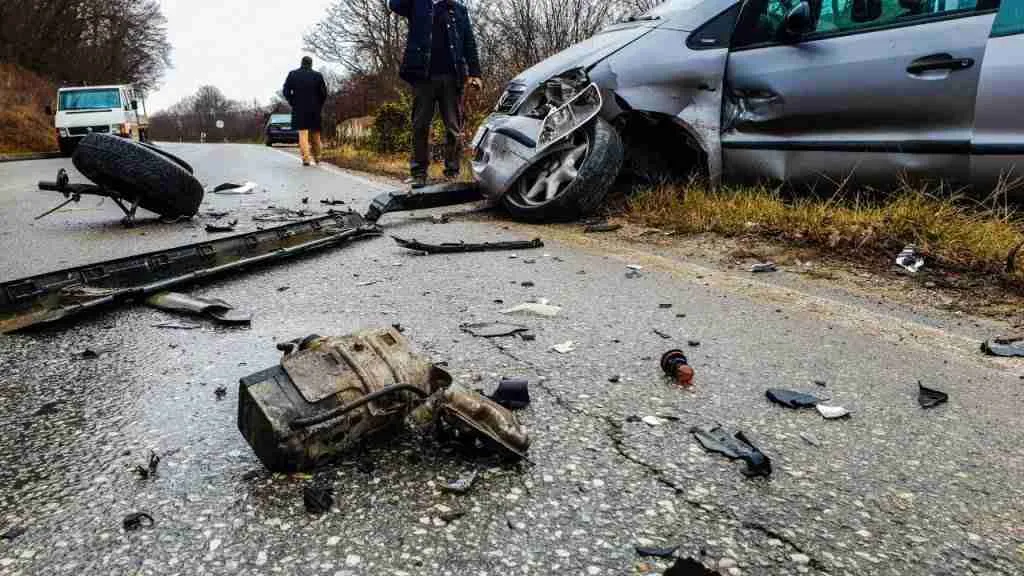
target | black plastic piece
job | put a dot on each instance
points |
(791, 399)
(929, 397)
(512, 393)
(455, 247)
(736, 447)
(436, 196)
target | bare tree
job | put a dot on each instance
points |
(363, 36)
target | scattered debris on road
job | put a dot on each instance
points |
(909, 260)
(675, 364)
(657, 552)
(213, 308)
(540, 308)
(790, 398)
(810, 439)
(48, 408)
(663, 335)
(12, 533)
(279, 214)
(232, 188)
(832, 412)
(137, 520)
(688, 567)
(220, 392)
(88, 354)
(317, 499)
(665, 305)
(633, 271)
(652, 421)
(462, 485)
(149, 470)
(564, 347)
(222, 226)
(512, 393)
(332, 202)
(329, 393)
(929, 397)
(493, 329)
(457, 247)
(762, 267)
(736, 447)
(1006, 347)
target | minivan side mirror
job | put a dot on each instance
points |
(799, 21)
(135, 104)
(49, 110)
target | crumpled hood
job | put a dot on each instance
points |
(584, 54)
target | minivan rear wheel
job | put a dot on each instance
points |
(573, 180)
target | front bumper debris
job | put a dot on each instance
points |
(454, 247)
(435, 196)
(328, 394)
(54, 296)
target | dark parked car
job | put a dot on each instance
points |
(279, 130)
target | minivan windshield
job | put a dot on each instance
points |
(94, 99)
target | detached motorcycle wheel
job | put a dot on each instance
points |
(573, 180)
(157, 180)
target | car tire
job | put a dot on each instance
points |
(158, 181)
(67, 146)
(596, 168)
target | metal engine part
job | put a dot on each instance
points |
(330, 393)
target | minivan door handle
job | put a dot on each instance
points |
(939, 62)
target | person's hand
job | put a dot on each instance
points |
(475, 82)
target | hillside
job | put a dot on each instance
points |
(24, 126)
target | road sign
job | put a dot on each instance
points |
(220, 124)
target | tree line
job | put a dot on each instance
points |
(86, 41)
(367, 41)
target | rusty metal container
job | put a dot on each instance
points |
(330, 393)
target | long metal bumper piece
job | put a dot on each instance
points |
(54, 296)
(434, 196)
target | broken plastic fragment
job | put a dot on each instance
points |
(214, 308)
(564, 347)
(715, 439)
(688, 567)
(137, 520)
(929, 397)
(764, 267)
(1007, 347)
(453, 247)
(832, 412)
(317, 499)
(222, 226)
(534, 308)
(512, 393)
(230, 188)
(493, 329)
(909, 260)
(652, 420)
(462, 485)
(657, 551)
(790, 398)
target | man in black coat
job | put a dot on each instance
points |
(440, 58)
(306, 91)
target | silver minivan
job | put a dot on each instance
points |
(808, 92)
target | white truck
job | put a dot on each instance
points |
(114, 109)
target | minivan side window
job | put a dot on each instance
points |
(1010, 19)
(762, 22)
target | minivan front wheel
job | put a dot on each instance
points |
(573, 180)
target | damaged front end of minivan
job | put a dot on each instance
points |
(563, 130)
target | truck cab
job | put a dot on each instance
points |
(114, 109)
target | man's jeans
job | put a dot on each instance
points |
(445, 93)
(309, 139)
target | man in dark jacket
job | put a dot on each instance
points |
(440, 58)
(306, 91)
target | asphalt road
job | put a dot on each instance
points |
(894, 489)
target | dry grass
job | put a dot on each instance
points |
(23, 125)
(393, 165)
(952, 231)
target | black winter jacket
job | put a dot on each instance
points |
(306, 91)
(461, 42)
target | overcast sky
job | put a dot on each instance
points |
(244, 47)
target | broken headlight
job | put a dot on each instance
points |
(568, 117)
